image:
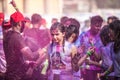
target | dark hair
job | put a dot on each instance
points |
(115, 26)
(113, 18)
(59, 26)
(96, 19)
(36, 18)
(63, 19)
(75, 22)
(104, 35)
(70, 30)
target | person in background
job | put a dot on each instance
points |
(63, 20)
(30, 41)
(34, 31)
(1, 21)
(2, 55)
(85, 26)
(54, 20)
(110, 19)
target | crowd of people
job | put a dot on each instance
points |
(29, 50)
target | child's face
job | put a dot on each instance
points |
(57, 36)
(72, 38)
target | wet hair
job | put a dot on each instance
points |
(115, 26)
(70, 30)
(104, 35)
(36, 18)
(96, 19)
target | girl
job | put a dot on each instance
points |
(60, 54)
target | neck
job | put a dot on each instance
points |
(16, 29)
(60, 43)
(35, 25)
(92, 33)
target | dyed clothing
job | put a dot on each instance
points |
(60, 57)
(89, 71)
(2, 55)
(78, 41)
(116, 62)
(96, 42)
(106, 57)
(16, 68)
(40, 36)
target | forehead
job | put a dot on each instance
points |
(54, 31)
(97, 24)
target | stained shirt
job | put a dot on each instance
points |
(106, 57)
(60, 57)
(116, 61)
(88, 41)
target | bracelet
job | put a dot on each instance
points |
(88, 53)
(107, 72)
(92, 44)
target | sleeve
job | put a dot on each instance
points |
(19, 42)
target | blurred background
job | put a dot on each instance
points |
(80, 9)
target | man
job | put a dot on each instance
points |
(2, 56)
(88, 39)
(16, 50)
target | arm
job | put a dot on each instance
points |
(93, 62)
(82, 59)
(14, 5)
(108, 71)
(27, 53)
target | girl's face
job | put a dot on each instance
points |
(111, 34)
(72, 38)
(57, 36)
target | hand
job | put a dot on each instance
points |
(42, 56)
(13, 3)
(102, 74)
(31, 64)
(90, 51)
(88, 61)
(80, 49)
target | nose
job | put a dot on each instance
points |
(99, 28)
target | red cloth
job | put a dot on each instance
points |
(17, 16)
(1, 17)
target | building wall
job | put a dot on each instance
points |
(29, 7)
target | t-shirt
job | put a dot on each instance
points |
(116, 61)
(13, 43)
